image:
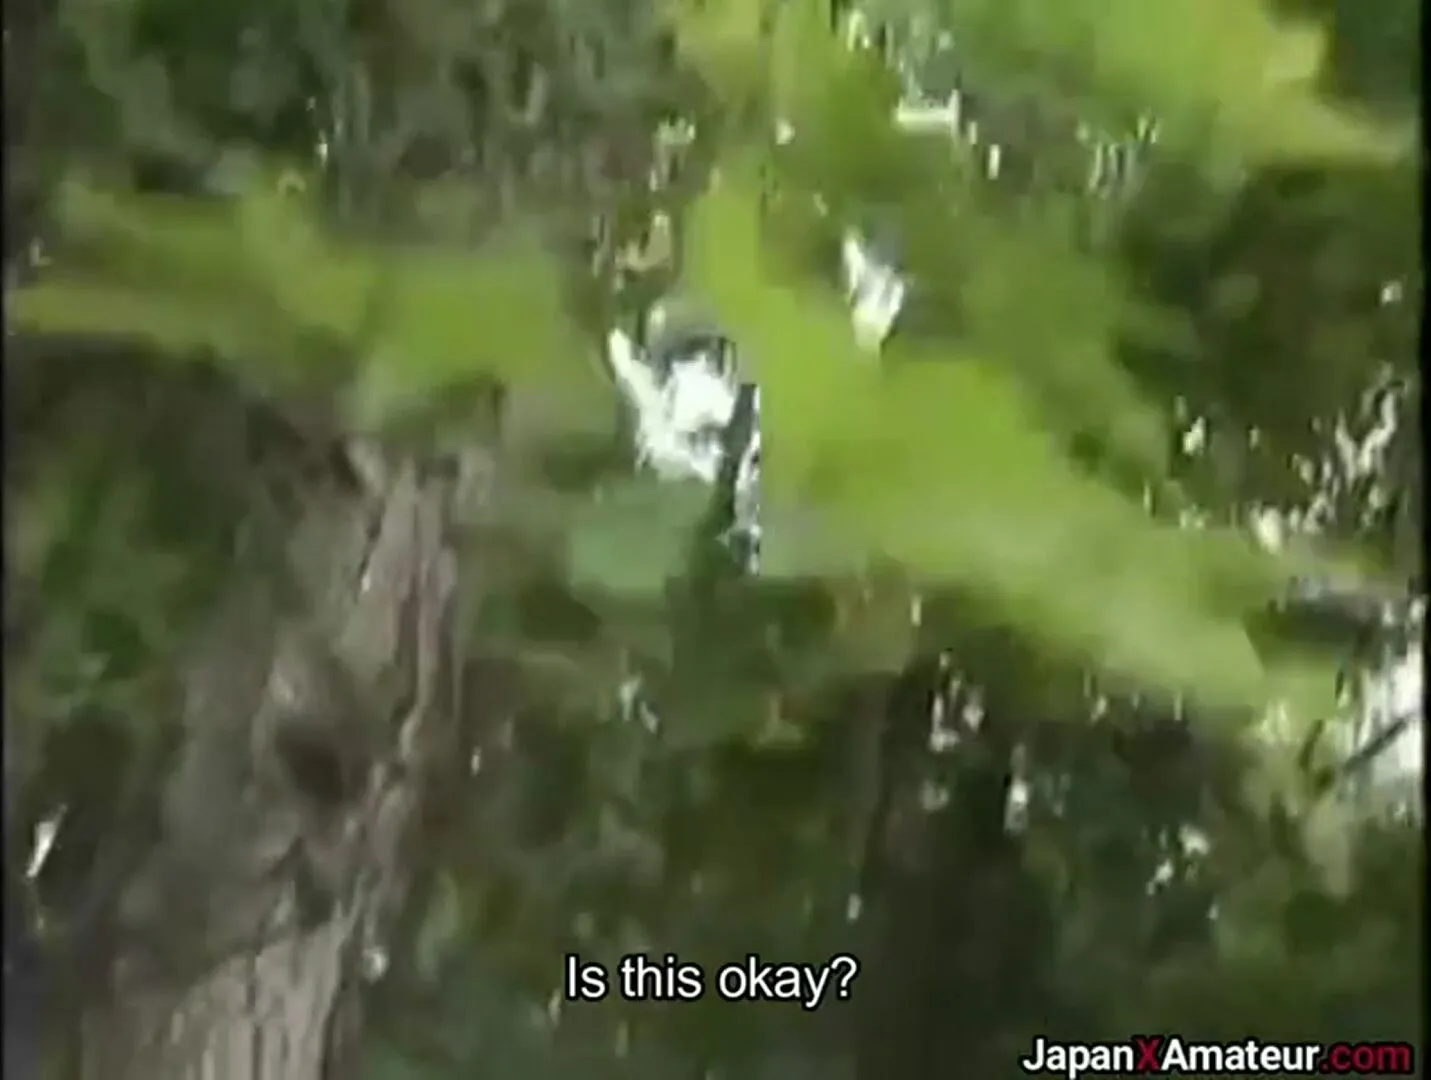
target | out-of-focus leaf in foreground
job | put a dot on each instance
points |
(1229, 68)
(940, 464)
(633, 537)
(258, 282)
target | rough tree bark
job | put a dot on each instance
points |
(312, 730)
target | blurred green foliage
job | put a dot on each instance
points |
(365, 216)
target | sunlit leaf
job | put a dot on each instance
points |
(940, 463)
(1233, 68)
(257, 281)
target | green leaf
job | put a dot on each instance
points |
(938, 462)
(174, 323)
(634, 537)
(1230, 68)
(260, 283)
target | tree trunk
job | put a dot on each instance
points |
(287, 1012)
(957, 928)
(310, 738)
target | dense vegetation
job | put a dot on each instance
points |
(1013, 704)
